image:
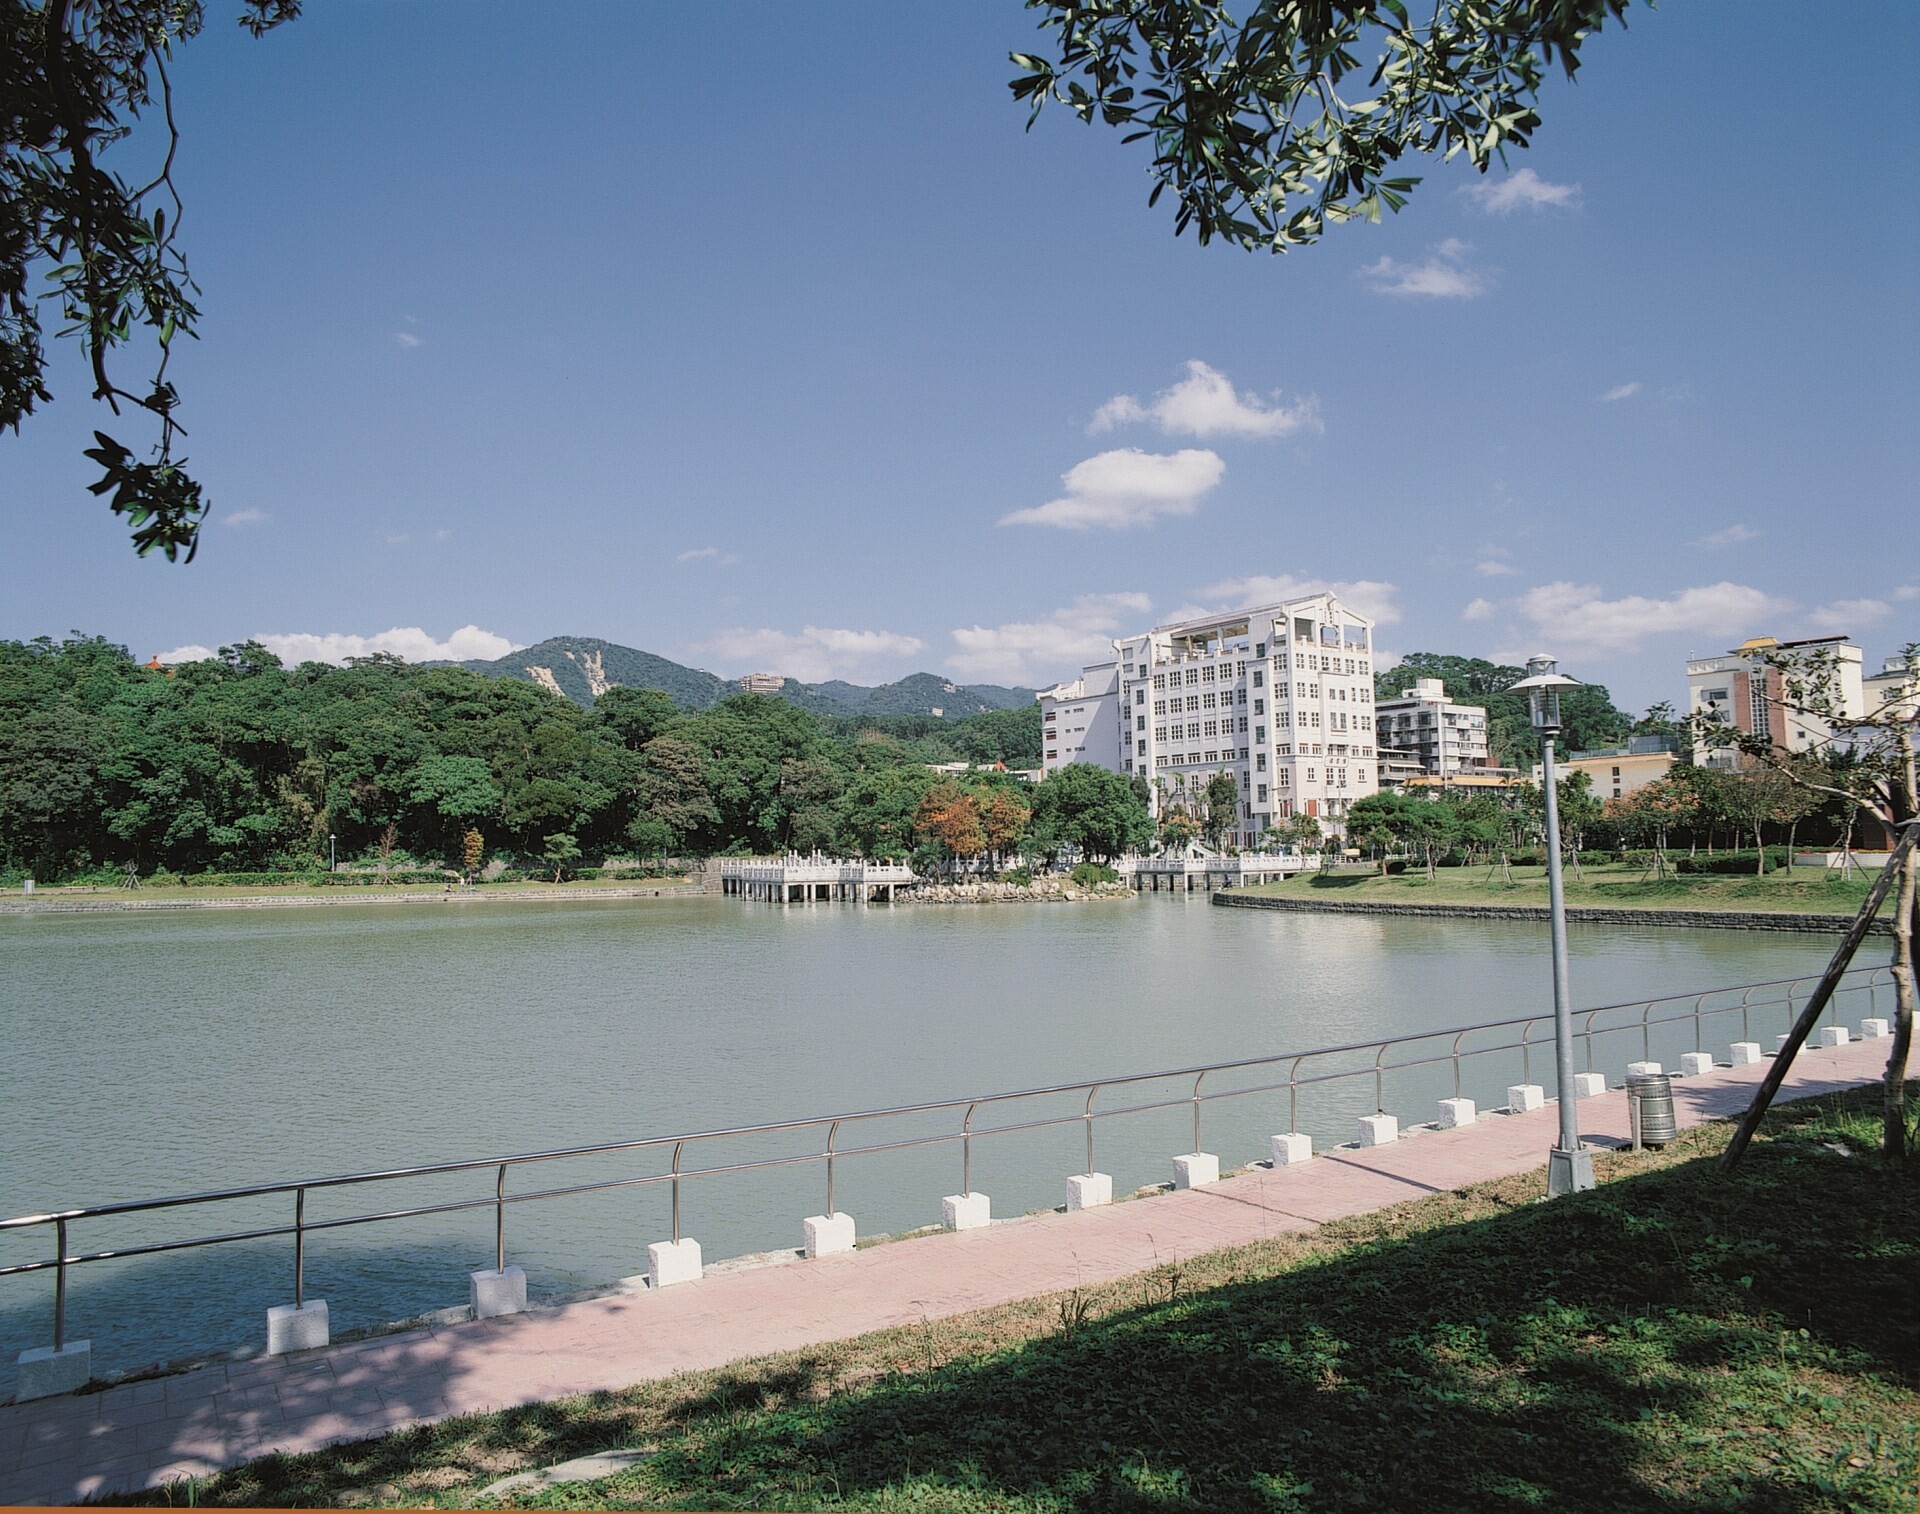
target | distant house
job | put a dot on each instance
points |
(1447, 737)
(1617, 771)
(763, 683)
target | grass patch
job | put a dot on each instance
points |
(1675, 1340)
(1805, 890)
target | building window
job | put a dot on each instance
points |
(1139, 722)
(1259, 707)
(1261, 793)
(1193, 675)
(1139, 696)
(1260, 762)
(1052, 755)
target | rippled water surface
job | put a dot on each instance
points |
(153, 1054)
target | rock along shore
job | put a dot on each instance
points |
(1040, 891)
(1718, 919)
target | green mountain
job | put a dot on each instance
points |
(582, 668)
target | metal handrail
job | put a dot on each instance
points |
(1869, 979)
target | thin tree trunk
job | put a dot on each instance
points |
(1893, 1132)
(1759, 851)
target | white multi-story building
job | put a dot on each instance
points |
(1449, 737)
(1747, 689)
(1279, 697)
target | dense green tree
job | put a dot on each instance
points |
(1092, 809)
(671, 801)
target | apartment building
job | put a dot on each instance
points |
(1893, 681)
(1747, 689)
(1280, 697)
(1617, 771)
(1446, 737)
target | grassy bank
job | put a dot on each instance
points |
(1676, 1340)
(1605, 885)
(343, 894)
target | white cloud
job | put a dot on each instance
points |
(1524, 190)
(1493, 568)
(1479, 609)
(812, 654)
(708, 554)
(1041, 652)
(1621, 392)
(1372, 598)
(1843, 615)
(442, 534)
(247, 517)
(1126, 488)
(1731, 537)
(1205, 404)
(408, 340)
(1907, 592)
(468, 644)
(1577, 620)
(1444, 276)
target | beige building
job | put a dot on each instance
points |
(1617, 771)
(1447, 737)
(1747, 690)
(763, 683)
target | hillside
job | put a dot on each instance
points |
(583, 667)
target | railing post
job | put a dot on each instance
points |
(299, 1248)
(1456, 1065)
(500, 1219)
(1646, 1032)
(1293, 1095)
(1587, 1034)
(676, 1190)
(1380, 1080)
(1087, 1116)
(1696, 1022)
(833, 1131)
(60, 1286)
(1526, 1052)
(1196, 1110)
(1792, 1013)
(966, 1150)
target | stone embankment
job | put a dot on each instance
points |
(1040, 891)
(1716, 919)
(46, 904)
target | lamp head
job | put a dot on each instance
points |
(1542, 686)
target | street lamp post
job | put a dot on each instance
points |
(1569, 1166)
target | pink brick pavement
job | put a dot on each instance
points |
(142, 1434)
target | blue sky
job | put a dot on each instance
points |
(766, 337)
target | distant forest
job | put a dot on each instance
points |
(238, 763)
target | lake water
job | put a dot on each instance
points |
(155, 1054)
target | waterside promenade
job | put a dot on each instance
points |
(144, 1434)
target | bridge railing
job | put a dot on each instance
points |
(1600, 1030)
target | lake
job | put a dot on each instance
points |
(154, 1054)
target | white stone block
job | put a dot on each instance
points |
(1379, 1129)
(1523, 1097)
(1833, 1035)
(497, 1293)
(1587, 1085)
(1780, 1044)
(1293, 1148)
(670, 1262)
(303, 1329)
(1088, 1190)
(1644, 1069)
(1744, 1053)
(1873, 1030)
(828, 1234)
(1693, 1063)
(966, 1211)
(1196, 1170)
(43, 1371)
(1456, 1112)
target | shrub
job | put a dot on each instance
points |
(1020, 877)
(1733, 862)
(1087, 874)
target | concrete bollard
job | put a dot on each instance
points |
(1744, 1053)
(1379, 1129)
(1196, 1169)
(1588, 1084)
(1694, 1063)
(1523, 1098)
(828, 1234)
(303, 1329)
(493, 1294)
(1291, 1149)
(1455, 1113)
(1832, 1036)
(1873, 1030)
(966, 1211)
(42, 1371)
(671, 1262)
(1089, 1190)
(1643, 1069)
(1780, 1044)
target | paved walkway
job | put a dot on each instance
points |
(143, 1434)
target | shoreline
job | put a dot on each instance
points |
(1720, 919)
(369, 895)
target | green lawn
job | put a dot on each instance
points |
(1676, 1340)
(1606, 884)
